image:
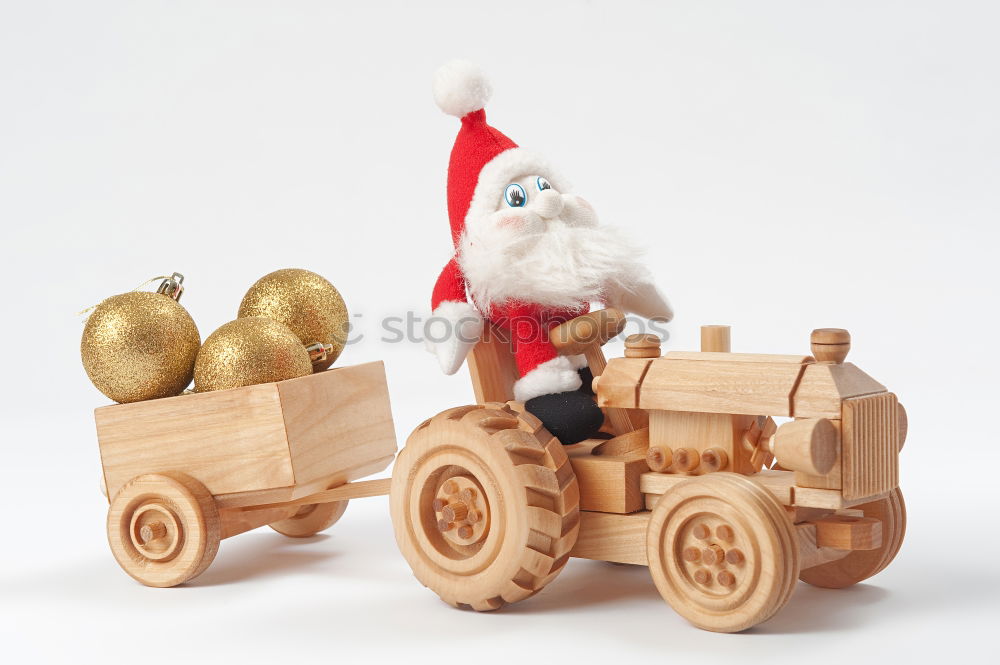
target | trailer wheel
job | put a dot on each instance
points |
(163, 528)
(722, 552)
(310, 519)
(862, 564)
(485, 505)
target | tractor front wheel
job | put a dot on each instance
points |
(722, 552)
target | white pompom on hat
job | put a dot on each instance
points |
(461, 87)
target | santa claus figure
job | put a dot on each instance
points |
(529, 255)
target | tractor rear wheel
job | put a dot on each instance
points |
(862, 564)
(485, 505)
(722, 552)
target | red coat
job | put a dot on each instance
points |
(529, 323)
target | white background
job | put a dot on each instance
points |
(789, 165)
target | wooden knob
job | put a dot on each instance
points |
(726, 578)
(734, 556)
(455, 512)
(686, 459)
(659, 458)
(714, 459)
(830, 345)
(152, 531)
(713, 555)
(642, 346)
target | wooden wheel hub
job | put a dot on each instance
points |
(462, 510)
(156, 532)
(707, 556)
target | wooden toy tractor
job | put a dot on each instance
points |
(697, 480)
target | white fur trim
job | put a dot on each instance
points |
(502, 170)
(461, 87)
(578, 362)
(455, 311)
(553, 376)
(457, 329)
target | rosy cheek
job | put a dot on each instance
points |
(513, 222)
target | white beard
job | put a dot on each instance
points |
(563, 263)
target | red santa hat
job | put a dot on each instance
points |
(483, 160)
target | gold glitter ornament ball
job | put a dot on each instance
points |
(139, 346)
(249, 351)
(305, 302)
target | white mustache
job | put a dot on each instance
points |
(560, 263)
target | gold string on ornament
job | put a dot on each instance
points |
(149, 281)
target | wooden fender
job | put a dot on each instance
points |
(859, 565)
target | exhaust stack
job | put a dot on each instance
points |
(715, 338)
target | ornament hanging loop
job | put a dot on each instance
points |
(172, 286)
(319, 351)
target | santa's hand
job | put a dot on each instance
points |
(452, 332)
(645, 300)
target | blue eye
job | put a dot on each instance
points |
(543, 184)
(515, 196)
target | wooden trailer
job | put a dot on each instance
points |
(697, 480)
(183, 473)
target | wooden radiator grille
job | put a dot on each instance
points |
(870, 445)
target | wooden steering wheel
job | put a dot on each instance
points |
(586, 334)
